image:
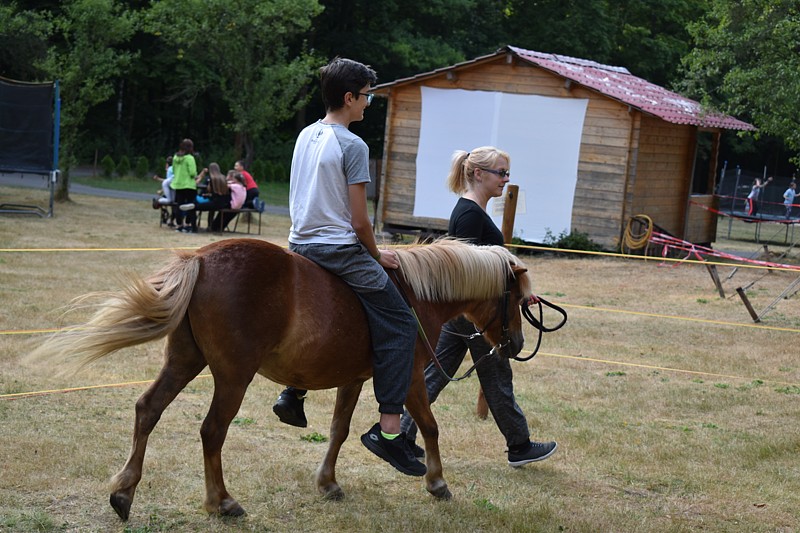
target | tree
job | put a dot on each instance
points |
(648, 37)
(23, 42)
(84, 58)
(747, 63)
(402, 38)
(251, 55)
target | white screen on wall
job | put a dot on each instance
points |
(541, 134)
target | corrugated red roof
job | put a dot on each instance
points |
(617, 83)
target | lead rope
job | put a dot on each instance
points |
(538, 324)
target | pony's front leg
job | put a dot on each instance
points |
(174, 376)
(228, 396)
(346, 399)
(420, 410)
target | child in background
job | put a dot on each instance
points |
(788, 199)
(167, 197)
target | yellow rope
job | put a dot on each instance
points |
(636, 242)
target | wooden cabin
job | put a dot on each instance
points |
(642, 149)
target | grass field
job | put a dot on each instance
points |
(673, 410)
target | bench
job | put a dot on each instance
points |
(235, 219)
(164, 214)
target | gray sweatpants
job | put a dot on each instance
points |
(494, 374)
(392, 327)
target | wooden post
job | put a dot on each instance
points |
(712, 269)
(749, 307)
(509, 213)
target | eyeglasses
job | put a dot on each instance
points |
(501, 173)
(369, 96)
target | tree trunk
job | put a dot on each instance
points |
(62, 188)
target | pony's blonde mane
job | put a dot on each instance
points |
(452, 270)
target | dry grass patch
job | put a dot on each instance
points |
(663, 424)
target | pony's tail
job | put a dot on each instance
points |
(145, 310)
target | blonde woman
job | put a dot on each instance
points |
(478, 176)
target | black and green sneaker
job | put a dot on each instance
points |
(396, 452)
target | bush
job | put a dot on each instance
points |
(575, 240)
(257, 169)
(124, 166)
(280, 174)
(108, 165)
(158, 164)
(142, 167)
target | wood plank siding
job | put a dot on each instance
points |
(630, 162)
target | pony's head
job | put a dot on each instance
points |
(491, 279)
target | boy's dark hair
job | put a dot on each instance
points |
(342, 76)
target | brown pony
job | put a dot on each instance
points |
(244, 307)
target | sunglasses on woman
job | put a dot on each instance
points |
(501, 173)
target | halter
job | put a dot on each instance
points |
(505, 339)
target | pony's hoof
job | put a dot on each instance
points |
(332, 493)
(441, 492)
(231, 508)
(121, 504)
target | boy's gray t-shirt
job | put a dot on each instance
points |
(327, 159)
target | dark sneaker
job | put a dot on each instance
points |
(289, 409)
(156, 205)
(396, 452)
(535, 451)
(419, 451)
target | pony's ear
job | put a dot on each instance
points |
(517, 270)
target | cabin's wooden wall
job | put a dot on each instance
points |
(666, 152)
(702, 223)
(605, 159)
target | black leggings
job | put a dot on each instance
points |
(186, 196)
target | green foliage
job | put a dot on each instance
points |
(268, 174)
(486, 505)
(142, 167)
(280, 174)
(108, 165)
(630, 33)
(745, 62)
(30, 521)
(574, 240)
(84, 56)
(124, 166)
(23, 42)
(258, 170)
(314, 437)
(243, 421)
(244, 53)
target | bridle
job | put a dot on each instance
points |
(505, 338)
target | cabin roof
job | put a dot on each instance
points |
(614, 82)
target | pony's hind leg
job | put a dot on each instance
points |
(183, 362)
(230, 385)
(346, 399)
